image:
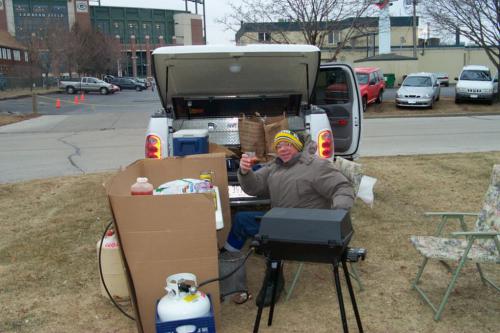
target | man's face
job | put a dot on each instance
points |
(286, 151)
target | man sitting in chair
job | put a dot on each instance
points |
(295, 179)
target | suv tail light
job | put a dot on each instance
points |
(325, 144)
(153, 147)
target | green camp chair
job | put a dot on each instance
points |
(479, 246)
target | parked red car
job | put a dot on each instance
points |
(371, 85)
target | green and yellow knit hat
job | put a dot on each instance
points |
(290, 137)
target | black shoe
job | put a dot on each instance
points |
(269, 292)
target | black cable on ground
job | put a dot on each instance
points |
(228, 274)
(102, 277)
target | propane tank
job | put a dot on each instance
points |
(183, 301)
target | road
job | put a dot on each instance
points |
(100, 137)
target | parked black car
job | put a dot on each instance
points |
(127, 83)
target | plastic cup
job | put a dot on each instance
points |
(253, 158)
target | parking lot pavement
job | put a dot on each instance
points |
(123, 101)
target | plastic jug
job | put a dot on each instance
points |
(142, 187)
(112, 268)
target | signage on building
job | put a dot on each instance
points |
(82, 6)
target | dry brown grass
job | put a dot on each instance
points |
(6, 119)
(49, 278)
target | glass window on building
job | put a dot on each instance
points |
(146, 31)
(132, 29)
(9, 56)
(26, 59)
(330, 37)
(103, 26)
(17, 55)
(159, 30)
(117, 29)
(264, 36)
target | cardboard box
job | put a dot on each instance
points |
(164, 235)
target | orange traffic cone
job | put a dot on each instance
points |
(58, 103)
(76, 100)
(82, 97)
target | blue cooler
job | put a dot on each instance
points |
(190, 142)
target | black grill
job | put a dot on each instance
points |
(314, 235)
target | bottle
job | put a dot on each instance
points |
(141, 187)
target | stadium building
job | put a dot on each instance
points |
(139, 30)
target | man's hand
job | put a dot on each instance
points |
(245, 164)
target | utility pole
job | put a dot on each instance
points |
(414, 28)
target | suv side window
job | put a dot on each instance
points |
(373, 78)
(380, 75)
(331, 87)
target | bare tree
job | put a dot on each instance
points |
(477, 20)
(92, 52)
(315, 19)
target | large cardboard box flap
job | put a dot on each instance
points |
(164, 235)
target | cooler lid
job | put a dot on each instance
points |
(191, 133)
(211, 71)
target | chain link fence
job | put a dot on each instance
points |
(17, 82)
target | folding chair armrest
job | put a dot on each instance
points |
(445, 216)
(476, 234)
(450, 214)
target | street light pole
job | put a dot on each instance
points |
(414, 28)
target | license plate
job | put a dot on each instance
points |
(473, 96)
(412, 101)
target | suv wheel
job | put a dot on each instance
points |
(103, 91)
(138, 88)
(380, 97)
(70, 90)
(365, 103)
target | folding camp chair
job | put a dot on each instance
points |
(479, 246)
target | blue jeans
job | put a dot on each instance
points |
(245, 225)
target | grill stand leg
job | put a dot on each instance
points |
(351, 294)
(275, 272)
(339, 296)
(267, 279)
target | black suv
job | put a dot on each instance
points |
(127, 83)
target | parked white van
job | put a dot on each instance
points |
(476, 83)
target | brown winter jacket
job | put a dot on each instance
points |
(306, 181)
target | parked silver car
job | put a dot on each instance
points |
(443, 79)
(418, 90)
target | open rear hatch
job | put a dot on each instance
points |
(225, 81)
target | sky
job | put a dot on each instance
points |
(216, 33)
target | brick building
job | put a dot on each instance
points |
(139, 30)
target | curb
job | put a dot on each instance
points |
(433, 115)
